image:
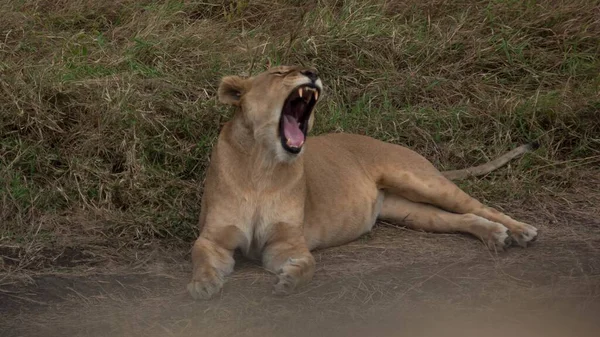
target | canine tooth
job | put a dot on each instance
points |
(316, 95)
(293, 146)
(300, 92)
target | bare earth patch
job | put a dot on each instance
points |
(389, 282)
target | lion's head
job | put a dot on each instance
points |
(276, 105)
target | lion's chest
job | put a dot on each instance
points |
(259, 212)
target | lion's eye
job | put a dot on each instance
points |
(278, 73)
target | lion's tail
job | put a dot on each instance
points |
(491, 165)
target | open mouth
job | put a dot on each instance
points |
(293, 123)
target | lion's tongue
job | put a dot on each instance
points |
(291, 130)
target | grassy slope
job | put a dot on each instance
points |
(108, 109)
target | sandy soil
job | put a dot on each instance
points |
(389, 282)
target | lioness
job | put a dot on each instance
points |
(274, 193)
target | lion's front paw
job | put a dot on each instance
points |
(292, 274)
(205, 286)
(524, 234)
(285, 285)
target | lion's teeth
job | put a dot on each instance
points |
(300, 92)
(316, 95)
(287, 142)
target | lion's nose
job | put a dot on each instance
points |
(310, 73)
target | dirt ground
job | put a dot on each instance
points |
(389, 282)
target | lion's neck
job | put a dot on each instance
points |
(257, 164)
(240, 136)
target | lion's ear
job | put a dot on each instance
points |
(231, 89)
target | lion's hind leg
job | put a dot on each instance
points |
(434, 189)
(432, 219)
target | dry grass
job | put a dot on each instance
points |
(108, 110)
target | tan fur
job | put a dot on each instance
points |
(491, 165)
(278, 206)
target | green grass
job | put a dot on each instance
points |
(108, 110)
